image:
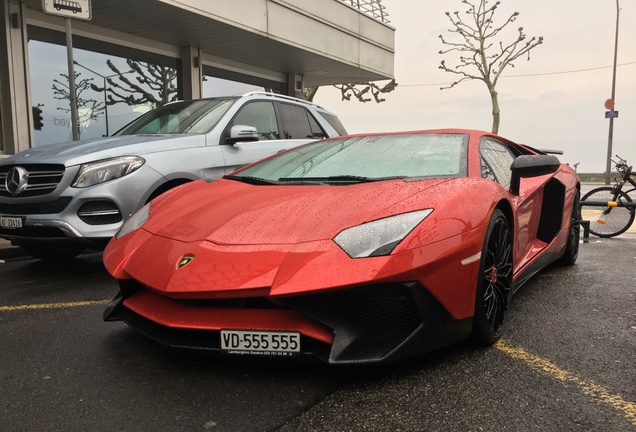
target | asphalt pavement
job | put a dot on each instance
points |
(566, 363)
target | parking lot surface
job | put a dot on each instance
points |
(567, 362)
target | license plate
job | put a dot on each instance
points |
(260, 342)
(10, 222)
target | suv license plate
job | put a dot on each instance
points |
(267, 343)
(10, 222)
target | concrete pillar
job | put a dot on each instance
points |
(16, 123)
(295, 85)
(191, 75)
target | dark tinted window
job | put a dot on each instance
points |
(316, 130)
(297, 123)
(260, 115)
(334, 122)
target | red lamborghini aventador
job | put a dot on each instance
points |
(364, 248)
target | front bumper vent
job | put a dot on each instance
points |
(102, 212)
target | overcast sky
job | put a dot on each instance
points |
(555, 100)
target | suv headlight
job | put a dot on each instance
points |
(379, 237)
(93, 173)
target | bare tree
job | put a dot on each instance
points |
(358, 90)
(87, 109)
(361, 91)
(481, 55)
(153, 84)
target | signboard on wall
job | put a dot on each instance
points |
(78, 9)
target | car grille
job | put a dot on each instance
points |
(385, 307)
(378, 307)
(52, 207)
(42, 179)
(373, 321)
(99, 213)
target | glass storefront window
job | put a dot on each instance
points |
(97, 85)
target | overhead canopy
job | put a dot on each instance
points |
(327, 42)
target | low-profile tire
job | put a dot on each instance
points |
(494, 283)
(574, 235)
(53, 252)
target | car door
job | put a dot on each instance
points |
(496, 159)
(280, 126)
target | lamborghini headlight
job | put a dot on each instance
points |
(108, 169)
(135, 222)
(380, 237)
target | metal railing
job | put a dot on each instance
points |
(372, 8)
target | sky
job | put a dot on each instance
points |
(553, 101)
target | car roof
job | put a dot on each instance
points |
(260, 95)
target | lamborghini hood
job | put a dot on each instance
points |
(228, 212)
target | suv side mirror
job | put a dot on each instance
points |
(531, 166)
(242, 133)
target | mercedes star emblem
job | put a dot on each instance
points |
(16, 181)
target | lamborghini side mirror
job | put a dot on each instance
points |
(531, 166)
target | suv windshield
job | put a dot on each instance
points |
(367, 158)
(193, 117)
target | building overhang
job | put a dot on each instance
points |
(327, 42)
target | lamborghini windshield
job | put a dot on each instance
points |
(364, 158)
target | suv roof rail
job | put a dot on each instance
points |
(264, 93)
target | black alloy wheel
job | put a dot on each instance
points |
(494, 284)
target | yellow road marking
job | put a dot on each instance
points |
(588, 388)
(52, 305)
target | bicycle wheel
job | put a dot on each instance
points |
(607, 221)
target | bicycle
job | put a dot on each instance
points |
(611, 210)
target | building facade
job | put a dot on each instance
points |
(283, 45)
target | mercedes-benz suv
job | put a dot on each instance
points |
(58, 199)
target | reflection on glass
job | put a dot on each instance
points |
(192, 117)
(99, 74)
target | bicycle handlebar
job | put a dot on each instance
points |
(622, 166)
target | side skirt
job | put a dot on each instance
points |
(539, 264)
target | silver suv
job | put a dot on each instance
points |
(58, 199)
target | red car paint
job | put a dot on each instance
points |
(276, 242)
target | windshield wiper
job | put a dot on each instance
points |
(339, 178)
(250, 180)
